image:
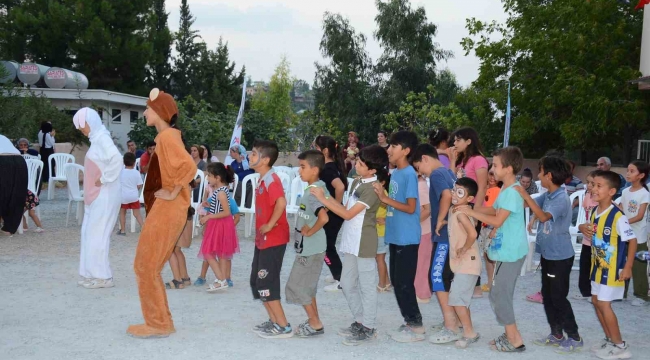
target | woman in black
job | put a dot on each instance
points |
(46, 140)
(336, 181)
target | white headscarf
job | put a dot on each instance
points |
(6, 147)
(90, 116)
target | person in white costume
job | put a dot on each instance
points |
(102, 198)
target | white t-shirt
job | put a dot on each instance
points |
(631, 202)
(130, 179)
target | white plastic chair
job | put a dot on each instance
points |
(233, 186)
(532, 238)
(197, 204)
(75, 194)
(286, 183)
(297, 188)
(59, 160)
(573, 229)
(248, 211)
(30, 157)
(34, 173)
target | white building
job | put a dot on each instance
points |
(118, 111)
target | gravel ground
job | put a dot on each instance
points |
(47, 316)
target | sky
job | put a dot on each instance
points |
(260, 32)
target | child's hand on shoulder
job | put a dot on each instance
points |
(461, 208)
(318, 193)
(379, 190)
(522, 192)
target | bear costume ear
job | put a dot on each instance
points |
(153, 95)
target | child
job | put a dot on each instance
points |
(384, 282)
(271, 238)
(220, 241)
(310, 245)
(234, 209)
(403, 233)
(584, 282)
(30, 204)
(494, 188)
(613, 245)
(359, 244)
(131, 184)
(553, 210)
(509, 246)
(442, 179)
(464, 259)
(177, 262)
(634, 202)
(422, 284)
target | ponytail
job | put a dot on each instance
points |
(327, 142)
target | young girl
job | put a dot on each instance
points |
(584, 281)
(439, 139)
(634, 201)
(382, 247)
(336, 181)
(425, 250)
(30, 204)
(526, 181)
(220, 241)
(493, 190)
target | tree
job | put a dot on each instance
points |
(159, 68)
(188, 50)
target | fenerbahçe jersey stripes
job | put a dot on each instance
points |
(609, 246)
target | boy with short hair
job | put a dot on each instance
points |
(553, 210)
(403, 233)
(509, 246)
(441, 180)
(310, 245)
(131, 182)
(613, 244)
(271, 238)
(359, 244)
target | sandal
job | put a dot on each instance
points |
(386, 288)
(445, 336)
(174, 284)
(536, 298)
(217, 285)
(485, 288)
(464, 342)
(502, 344)
(187, 281)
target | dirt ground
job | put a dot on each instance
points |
(47, 316)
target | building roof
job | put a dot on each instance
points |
(90, 94)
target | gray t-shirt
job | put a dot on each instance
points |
(308, 215)
(553, 237)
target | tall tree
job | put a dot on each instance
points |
(159, 68)
(188, 51)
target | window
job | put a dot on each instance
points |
(134, 117)
(116, 115)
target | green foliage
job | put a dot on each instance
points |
(184, 74)
(159, 35)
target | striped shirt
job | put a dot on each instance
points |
(215, 204)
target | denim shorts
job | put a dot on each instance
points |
(382, 247)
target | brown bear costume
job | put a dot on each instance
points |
(170, 166)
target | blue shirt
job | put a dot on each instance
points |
(510, 243)
(402, 228)
(553, 237)
(238, 168)
(441, 179)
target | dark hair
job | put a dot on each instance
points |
(644, 169)
(267, 149)
(130, 141)
(527, 173)
(199, 149)
(511, 156)
(612, 178)
(129, 159)
(422, 150)
(314, 158)
(469, 184)
(593, 173)
(558, 167)
(376, 158)
(473, 149)
(407, 140)
(438, 136)
(328, 142)
(46, 127)
(383, 132)
(207, 148)
(151, 143)
(224, 172)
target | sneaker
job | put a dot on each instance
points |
(569, 346)
(199, 281)
(612, 351)
(277, 332)
(267, 325)
(354, 328)
(364, 335)
(639, 302)
(329, 279)
(84, 281)
(38, 230)
(99, 284)
(601, 345)
(230, 284)
(407, 335)
(580, 297)
(333, 287)
(305, 330)
(550, 340)
(119, 233)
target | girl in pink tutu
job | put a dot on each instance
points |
(220, 241)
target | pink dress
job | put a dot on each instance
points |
(220, 236)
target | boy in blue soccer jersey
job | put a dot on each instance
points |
(612, 255)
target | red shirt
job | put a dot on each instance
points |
(269, 190)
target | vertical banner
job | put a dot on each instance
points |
(235, 139)
(506, 133)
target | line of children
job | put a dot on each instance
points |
(584, 282)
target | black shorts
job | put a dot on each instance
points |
(441, 275)
(265, 273)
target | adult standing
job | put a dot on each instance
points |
(166, 218)
(197, 156)
(241, 167)
(13, 186)
(130, 147)
(147, 156)
(46, 140)
(439, 139)
(102, 199)
(23, 147)
(382, 140)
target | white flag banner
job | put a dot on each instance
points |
(235, 139)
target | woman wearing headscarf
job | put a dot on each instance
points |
(46, 140)
(102, 199)
(242, 169)
(13, 186)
